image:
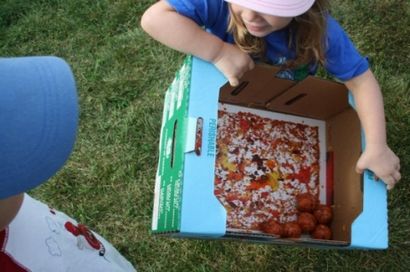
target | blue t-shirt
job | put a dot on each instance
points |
(342, 59)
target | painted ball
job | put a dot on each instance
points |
(322, 232)
(323, 214)
(306, 202)
(307, 222)
(271, 227)
(291, 230)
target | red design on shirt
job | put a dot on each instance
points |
(7, 263)
(81, 229)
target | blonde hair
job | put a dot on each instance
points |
(306, 36)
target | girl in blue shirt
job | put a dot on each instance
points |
(296, 34)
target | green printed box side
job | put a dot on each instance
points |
(167, 211)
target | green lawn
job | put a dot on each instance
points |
(122, 75)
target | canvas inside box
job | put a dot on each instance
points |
(189, 198)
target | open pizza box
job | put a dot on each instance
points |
(234, 157)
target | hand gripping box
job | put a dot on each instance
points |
(233, 158)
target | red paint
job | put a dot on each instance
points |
(329, 177)
(83, 230)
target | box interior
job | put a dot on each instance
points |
(319, 99)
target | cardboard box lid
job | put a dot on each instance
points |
(257, 87)
(312, 97)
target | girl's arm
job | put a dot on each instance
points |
(164, 24)
(377, 156)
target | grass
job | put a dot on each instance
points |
(122, 75)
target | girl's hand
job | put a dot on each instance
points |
(382, 161)
(233, 63)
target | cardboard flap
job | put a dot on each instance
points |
(374, 214)
(348, 196)
(256, 88)
(312, 97)
(171, 153)
(202, 215)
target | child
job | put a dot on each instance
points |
(38, 121)
(296, 34)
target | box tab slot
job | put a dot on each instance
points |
(296, 98)
(258, 86)
(174, 132)
(239, 88)
(316, 98)
(198, 136)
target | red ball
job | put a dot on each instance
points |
(323, 214)
(307, 222)
(271, 227)
(306, 202)
(322, 232)
(291, 230)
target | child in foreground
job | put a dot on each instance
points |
(38, 121)
(297, 35)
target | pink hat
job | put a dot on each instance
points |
(282, 8)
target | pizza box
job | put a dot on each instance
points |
(226, 163)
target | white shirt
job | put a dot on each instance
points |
(40, 239)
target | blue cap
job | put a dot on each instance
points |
(38, 121)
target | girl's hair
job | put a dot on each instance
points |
(306, 36)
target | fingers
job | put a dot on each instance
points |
(392, 180)
(359, 169)
(361, 165)
(397, 176)
(388, 169)
(233, 81)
